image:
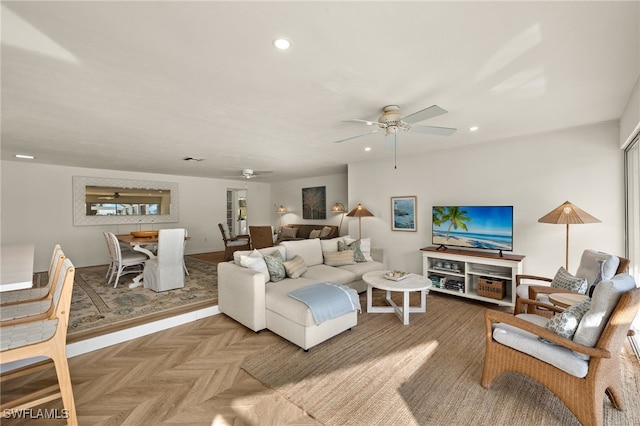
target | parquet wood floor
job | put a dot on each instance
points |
(185, 375)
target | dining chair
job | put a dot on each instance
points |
(184, 264)
(261, 236)
(124, 262)
(43, 338)
(166, 270)
(37, 293)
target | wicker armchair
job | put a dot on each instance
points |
(233, 242)
(583, 396)
(261, 236)
(541, 288)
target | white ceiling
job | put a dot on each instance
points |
(139, 86)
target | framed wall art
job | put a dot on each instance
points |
(314, 203)
(404, 213)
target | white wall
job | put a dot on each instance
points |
(37, 206)
(289, 194)
(533, 173)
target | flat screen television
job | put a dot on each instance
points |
(477, 227)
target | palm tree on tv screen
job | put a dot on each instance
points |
(456, 218)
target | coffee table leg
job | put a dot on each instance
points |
(405, 308)
(369, 297)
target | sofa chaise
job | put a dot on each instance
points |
(249, 295)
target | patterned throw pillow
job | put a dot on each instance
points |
(295, 267)
(289, 232)
(565, 280)
(355, 246)
(314, 234)
(566, 323)
(275, 266)
(338, 258)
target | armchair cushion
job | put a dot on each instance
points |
(565, 280)
(605, 298)
(596, 266)
(527, 342)
(566, 323)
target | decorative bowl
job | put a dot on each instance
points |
(396, 275)
(144, 234)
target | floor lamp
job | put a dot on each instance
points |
(360, 211)
(567, 214)
(281, 210)
(339, 208)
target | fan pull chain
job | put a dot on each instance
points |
(395, 151)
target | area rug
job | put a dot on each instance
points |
(425, 373)
(96, 304)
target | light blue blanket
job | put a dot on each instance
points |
(328, 300)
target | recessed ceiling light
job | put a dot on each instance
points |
(282, 43)
(28, 157)
(473, 128)
(368, 148)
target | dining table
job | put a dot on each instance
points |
(16, 266)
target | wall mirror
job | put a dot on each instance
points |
(104, 201)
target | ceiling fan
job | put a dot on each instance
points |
(250, 174)
(115, 195)
(392, 119)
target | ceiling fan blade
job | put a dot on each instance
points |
(416, 117)
(390, 140)
(432, 130)
(367, 122)
(357, 136)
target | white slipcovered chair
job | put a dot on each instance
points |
(166, 270)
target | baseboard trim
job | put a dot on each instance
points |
(99, 342)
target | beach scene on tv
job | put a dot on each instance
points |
(481, 227)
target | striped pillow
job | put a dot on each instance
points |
(295, 267)
(338, 258)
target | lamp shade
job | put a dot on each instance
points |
(567, 213)
(338, 208)
(359, 211)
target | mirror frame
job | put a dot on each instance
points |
(79, 213)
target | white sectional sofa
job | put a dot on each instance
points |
(251, 298)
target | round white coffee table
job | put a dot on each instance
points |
(414, 282)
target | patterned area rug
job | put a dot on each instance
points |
(95, 304)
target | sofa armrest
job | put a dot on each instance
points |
(241, 295)
(379, 255)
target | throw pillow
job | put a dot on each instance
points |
(255, 262)
(325, 232)
(566, 323)
(338, 258)
(355, 246)
(365, 247)
(315, 233)
(565, 280)
(275, 266)
(288, 232)
(295, 267)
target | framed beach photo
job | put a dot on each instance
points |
(404, 214)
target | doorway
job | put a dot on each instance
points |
(237, 211)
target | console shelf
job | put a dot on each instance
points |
(459, 270)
